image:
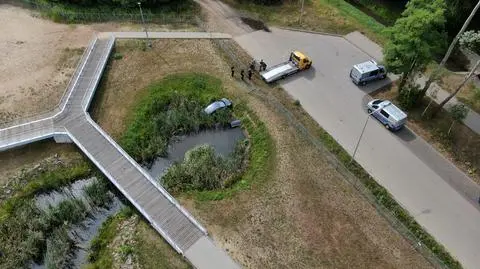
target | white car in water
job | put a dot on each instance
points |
(222, 103)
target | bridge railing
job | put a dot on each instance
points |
(92, 86)
(63, 100)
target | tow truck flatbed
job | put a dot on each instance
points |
(279, 71)
(296, 62)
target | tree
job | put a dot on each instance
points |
(437, 70)
(415, 38)
(458, 113)
(471, 40)
(467, 77)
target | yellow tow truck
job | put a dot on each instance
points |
(296, 62)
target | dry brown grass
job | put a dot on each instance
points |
(14, 161)
(304, 216)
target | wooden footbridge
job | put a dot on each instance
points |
(70, 122)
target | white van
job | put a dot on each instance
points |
(366, 72)
(392, 117)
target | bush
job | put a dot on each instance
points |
(471, 40)
(409, 96)
(203, 169)
(98, 193)
(68, 211)
(117, 56)
(59, 249)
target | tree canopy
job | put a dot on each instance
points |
(415, 37)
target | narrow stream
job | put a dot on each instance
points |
(223, 141)
(82, 233)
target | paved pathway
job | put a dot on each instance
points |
(438, 94)
(438, 195)
(70, 122)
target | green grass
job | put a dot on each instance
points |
(150, 251)
(144, 142)
(24, 229)
(46, 181)
(203, 169)
(100, 256)
(352, 13)
(260, 162)
(154, 253)
(166, 13)
(332, 16)
(28, 232)
(59, 249)
(172, 107)
(388, 11)
(98, 192)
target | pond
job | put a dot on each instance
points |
(223, 140)
(83, 232)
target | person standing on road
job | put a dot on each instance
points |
(264, 66)
(250, 73)
(242, 74)
(252, 65)
(233, 70)
(261, 65)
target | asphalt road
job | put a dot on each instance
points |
(422, 181)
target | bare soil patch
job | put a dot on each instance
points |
(304, 216)
(39, 57)
(24, 158)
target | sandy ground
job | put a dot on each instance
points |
(38, 59)
(305, 216)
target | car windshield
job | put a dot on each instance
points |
(376, 102)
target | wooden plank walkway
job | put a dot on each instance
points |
(70, 122)
(135, 184)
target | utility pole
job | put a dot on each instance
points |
(144, 25)
(434, 75)
(363, 130)
(301, 12)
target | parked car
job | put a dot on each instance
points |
(392, 117)
(222, 103)
(367, 71)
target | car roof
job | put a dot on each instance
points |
(393, 110)
(367, 66)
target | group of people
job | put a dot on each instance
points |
(251, 69)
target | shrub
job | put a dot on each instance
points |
(97, 192)
(409, 96)
(117, 56)
(59, 249)
(203, 169)
(68, 211)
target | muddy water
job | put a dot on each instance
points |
(82, 233)
(222, 140)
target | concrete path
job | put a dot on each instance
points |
(170, 35)
(438, 94)
(71, 123)
(419, 178)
